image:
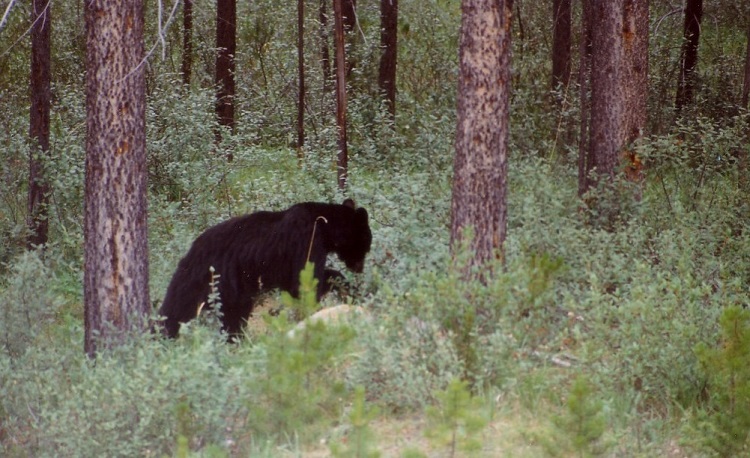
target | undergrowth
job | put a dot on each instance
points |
(625, 335)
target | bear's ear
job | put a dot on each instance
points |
(349, 203)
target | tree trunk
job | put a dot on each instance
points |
(38, 197)
(584, 82)
(607, 93)
(187, 41)
(635, 82)
(325, 58)
(389, 52)
(742, 153)
(349, 14)
(689, 57)
(116, 296)
(226, 43)
(301, 69)
(343, 154)
(349, 17)
(561, 44)
(746, 81)
(480, 165)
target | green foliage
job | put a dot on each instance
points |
(628, 298)
(359, 438)
(725, 420)
(297, 389)
(28, 306)
(456, 422)
(581, 427)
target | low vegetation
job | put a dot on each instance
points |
(628, 337)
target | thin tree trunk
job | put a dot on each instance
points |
(187, 41)
(226, 42)
(325, 59)
(635, 82)
(607, 94)
(343, 154)
(116, 295)
(746, 81)
(38, 197)
(561, 44)
(742, 153)
(480, 165)
(349, 14)
(301, 68)
(349, 17)
(389, 52)
(584, 81)
(689, 57)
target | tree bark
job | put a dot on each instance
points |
(689, 56)
(301, 70)
(187, 41)
(226, 43)
(480, 165)
(389, 52)
(325, 58)
(634, 82)
(38, 196)
(342, 165)
(607, 93)
(746, 81)
(561, 44)
(584, 82)
(116, 295)
(349, 14)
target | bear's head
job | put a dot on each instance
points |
(352, 236)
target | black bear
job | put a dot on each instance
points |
(263, 251)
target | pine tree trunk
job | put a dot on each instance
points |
(561, 44)
(187, 41)
(116, 295)
(746, 81)
(342, 165)
(689, 57)
(584, 82)
(325, 58)
(301, 73)
(389, 52)
(480, 165)
(607, 93)
(38, 197)
(226, 42)
(635, 82)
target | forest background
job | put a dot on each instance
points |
(615, 333)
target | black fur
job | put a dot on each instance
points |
(263, 251)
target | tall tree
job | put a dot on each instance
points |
(342, 165)
(480, 165)
(349, 14)
(607, 93)
(187, 41)
(746, 80)
(634, 79)
(116, 295)
(301, 72)
(325, 59)
(38, 197)
(561, 43)
(226, 43)
(389, 52)
(349, 17)
(689, 55)
(584, 83)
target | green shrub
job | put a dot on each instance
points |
(725, 420)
